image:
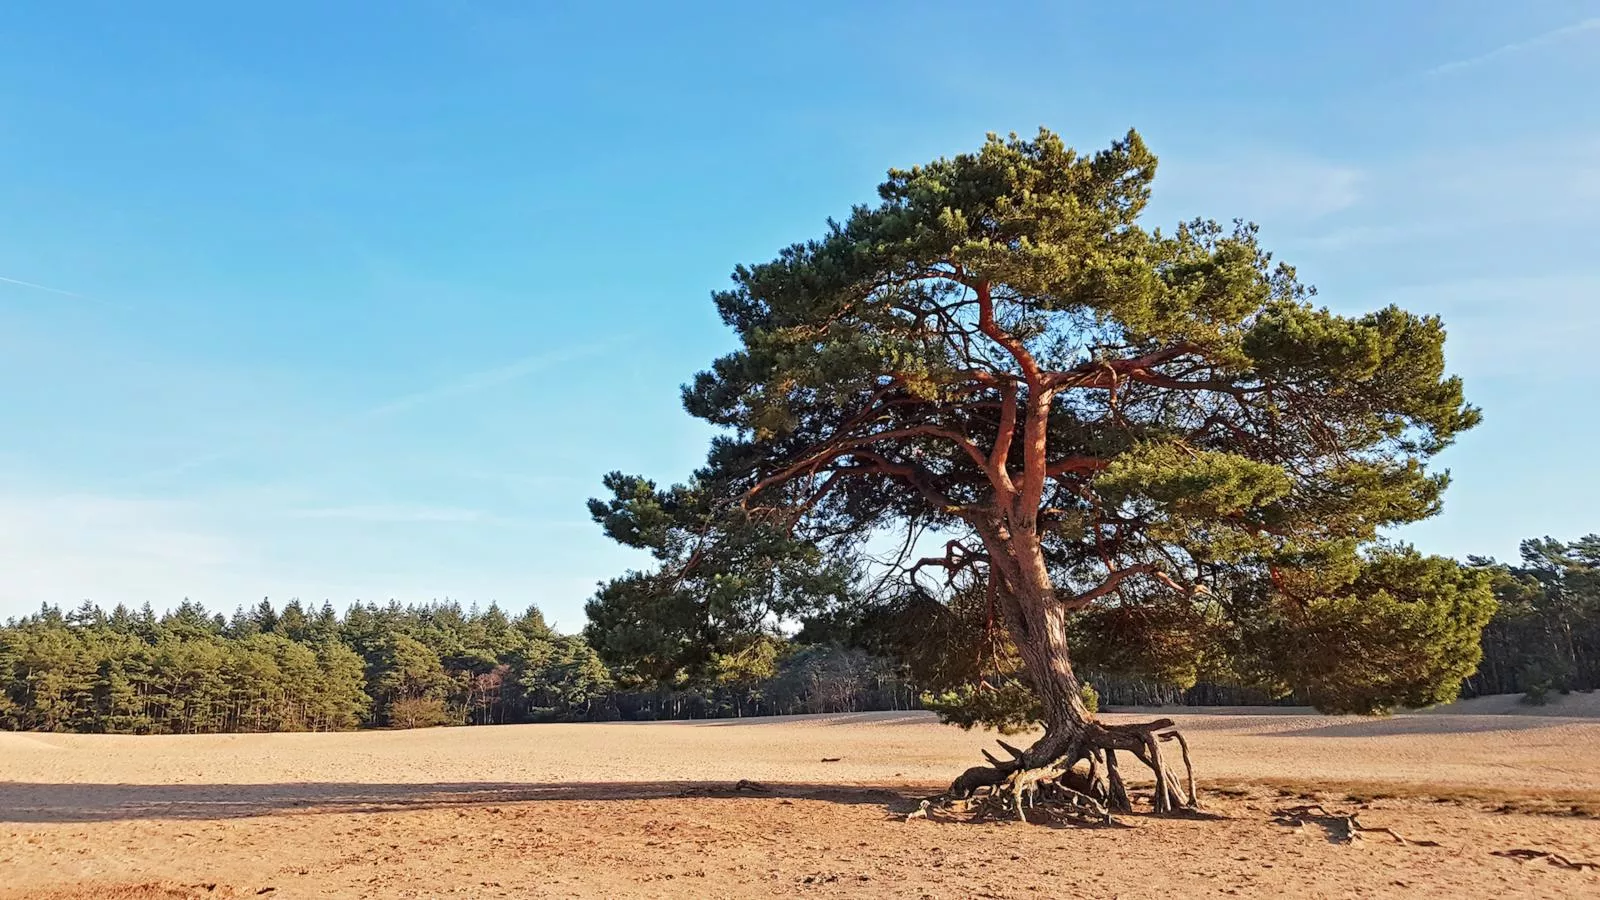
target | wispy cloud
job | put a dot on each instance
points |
(478, 381)
(61, 549)
(467, 384)
(392, 515)
(1546, 184)
(1266, 186)
(234, 546)
(41, 287)
(1500, 327)
(537, 480)
(1349, 237)
(1540, 40)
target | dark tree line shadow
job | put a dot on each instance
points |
(32, 803)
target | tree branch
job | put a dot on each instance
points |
(1102, 373)
(914, 476)
(1112, 582)
(1000, 454)
(992, 330)
(957, 556)
(1075, 464)
(849, 446)
(1035, 462)
(816, 496)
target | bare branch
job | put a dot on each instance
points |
(957, 556)
(1102, 373)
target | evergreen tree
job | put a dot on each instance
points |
(1099, 422)
(1545, 635)
(293, 623)
(408, 683)
(324, 626)
(340, 701)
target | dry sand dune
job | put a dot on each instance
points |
(647, 810)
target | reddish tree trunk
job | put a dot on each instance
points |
(1038, 624)
(1037, 621)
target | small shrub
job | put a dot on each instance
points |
(418, 712)
(1542, 676)
(1091, 697)
(1008, 707)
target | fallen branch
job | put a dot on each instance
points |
(1298, 816)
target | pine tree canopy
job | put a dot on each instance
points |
(1152, 440)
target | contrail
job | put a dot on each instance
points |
(41, 287)
(1518, 46)
(466, 384)
(480, 380)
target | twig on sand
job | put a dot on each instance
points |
(1523, 854)
(743, 784)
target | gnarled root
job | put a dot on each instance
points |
(1046, 777)
(1345, 827)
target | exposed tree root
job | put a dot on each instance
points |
(1554, 859)
(1345, 827)
(1046, 779)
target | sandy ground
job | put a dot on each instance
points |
(649, 810)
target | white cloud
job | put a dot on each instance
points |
(1549, 37)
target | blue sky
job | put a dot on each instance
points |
(360, 303)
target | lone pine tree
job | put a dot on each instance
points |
(1147, 445)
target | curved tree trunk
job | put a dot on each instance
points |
(1038, 626)
(1044, 773)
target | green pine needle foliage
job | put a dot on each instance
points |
(1215, 458)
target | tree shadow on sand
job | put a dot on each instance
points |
(820, 720)
(35, 803)
(22, 802)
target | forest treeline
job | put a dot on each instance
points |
(297, 669)
(1545, 635)
(292, 669)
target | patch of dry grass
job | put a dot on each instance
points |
(1483, 797)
